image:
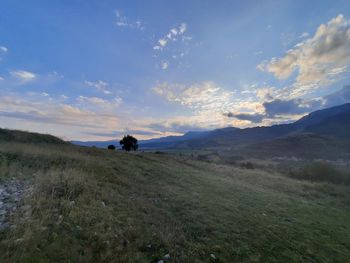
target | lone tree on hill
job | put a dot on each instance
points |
(111, 147)
(129, 143)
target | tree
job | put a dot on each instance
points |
(111, 147)
(129, 143)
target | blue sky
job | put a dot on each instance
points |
(94, 70)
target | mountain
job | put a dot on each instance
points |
(322, 115)
(163, 142)
(334, 121)
(172, 141)
(98, 144)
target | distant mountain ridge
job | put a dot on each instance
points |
(334, 121)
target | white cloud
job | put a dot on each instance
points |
(123, 21)
(303, 35)
(3, 49)
(318, 60)
(99, 85)
(162, 42)
(46, 111)
(52, 115)
(203, 96)
(172, 35)
(100, 102)
(22, 75)
(182, 28)
(165, 65)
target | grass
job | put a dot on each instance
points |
(94, 205)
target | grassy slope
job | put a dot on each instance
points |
(93, 205)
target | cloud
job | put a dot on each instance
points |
(172, 35)
(121, 133)
(23, 76)
(182, 28)
(3, 49)
(203, 96)
(100, 86)
(339, 97)
(165, 65)
(253, 118)
(304, 35)
(47, 111)
(317, 61)
(122, 21)
(102, 103)
(289, 107)
(176, 126)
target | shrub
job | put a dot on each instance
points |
(111, 147)
(129, 143)
(321, 171)
(248, 165)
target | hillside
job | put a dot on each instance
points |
(27, 137)
(83, 204)
(306, 146)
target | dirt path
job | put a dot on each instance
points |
(11, 192)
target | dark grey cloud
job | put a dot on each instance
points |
(255, 118)
(290, 107)
(300, 106)
(295, 106)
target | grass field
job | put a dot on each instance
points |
(94, 205)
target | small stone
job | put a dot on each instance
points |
(19, 240)
(263, 214)
(167, 257)
(212, 256)
(160, 261)
(149, 246)
(103, 204)
(4, 225)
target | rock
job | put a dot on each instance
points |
(103, 204)
(11, 193)
(4, 225)
(160, 261)
(212, 256)
(167, 257)
(19, 240)
(149, 246)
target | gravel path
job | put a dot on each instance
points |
(11, 192)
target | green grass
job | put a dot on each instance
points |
(93, 205)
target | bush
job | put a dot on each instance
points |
(321, 171)
(248, 165)
(129, 143)
(111, 147)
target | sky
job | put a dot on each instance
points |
(99, 69)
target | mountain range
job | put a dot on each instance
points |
(333, 123)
